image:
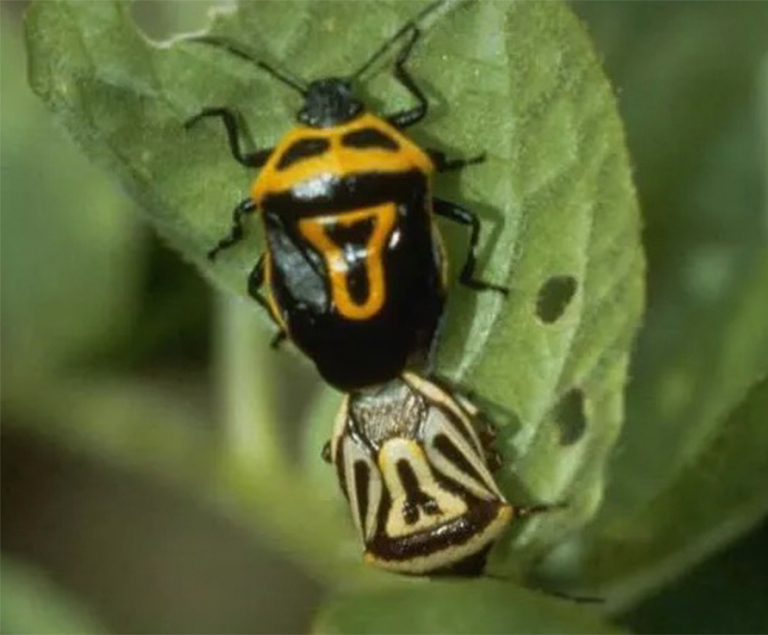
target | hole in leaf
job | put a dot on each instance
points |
(163, 20)
(554, 296)
(570, 417)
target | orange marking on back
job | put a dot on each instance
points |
(314, 230)
(273, 306)
(339, 160)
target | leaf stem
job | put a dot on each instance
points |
(246, 387)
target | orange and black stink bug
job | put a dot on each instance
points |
(354, 266)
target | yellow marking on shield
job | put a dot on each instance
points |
(314, 229)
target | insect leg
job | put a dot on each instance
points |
(481, 422)
(526, 511)
(466, 217)
(229, 118)
(243, 208)
(405, 118)
(325, 453)
(278, 339)
(444, 164)
(255, 282)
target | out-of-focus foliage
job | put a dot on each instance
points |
(457, 607)
(692, 462)
(70, 263)
(101, 330)
(687, 476)
(30, 603)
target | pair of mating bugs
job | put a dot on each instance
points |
(356, 276)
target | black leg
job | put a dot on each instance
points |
(466, 217)
(444, 164)
(255, 282)
(526, 511)
(229, 118)
(278, 339)
(486, 432)
(408, 117)
(244, 207)
(579, 599)
(325, 453)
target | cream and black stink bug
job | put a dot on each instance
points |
(414, 461)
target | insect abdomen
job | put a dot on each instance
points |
(357, 274)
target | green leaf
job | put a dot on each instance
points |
(719, 496)
(705, 341)
(31, 603)
(518, 80)
(569, 242)
(557, 186)
(477, 606)
(736, 607)
(704, 344)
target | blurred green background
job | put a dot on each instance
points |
(100, 319)
(112, 320)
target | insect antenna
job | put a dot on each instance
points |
(391, 41)
(240, 51)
